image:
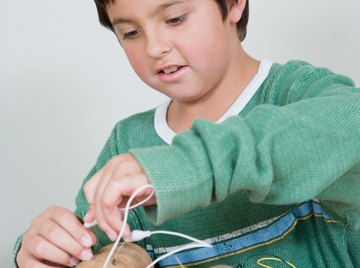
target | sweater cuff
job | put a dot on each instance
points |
(16, 251)
(181, 177)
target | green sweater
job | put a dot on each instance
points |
(276, 185)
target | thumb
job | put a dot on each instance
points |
(90, 188)
(89, 218)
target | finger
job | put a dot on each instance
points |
(41, 249)
(97, 209)
(90, 189)
(103, 225)
(118, 166)
(89, 218)
(119, 190)
(63, 241)
(70, 223)
(91, 186)
(93, 189)
(129, 165)
(127, 231)
(93, 236)
(28, 261)
(110, 216)
(116, 191)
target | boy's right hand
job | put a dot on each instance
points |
(56, 238)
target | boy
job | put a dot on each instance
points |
(266, 166)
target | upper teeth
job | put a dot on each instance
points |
(170, 70)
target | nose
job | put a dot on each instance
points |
(157, 46)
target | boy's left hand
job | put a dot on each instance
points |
(110, 189)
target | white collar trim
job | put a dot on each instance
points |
(167, 134)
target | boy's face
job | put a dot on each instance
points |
(182, 48)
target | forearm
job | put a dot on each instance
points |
(278, 155)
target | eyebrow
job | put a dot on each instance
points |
(157, 10)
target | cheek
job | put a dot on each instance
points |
(208, 57)
(206, 47)
(137, 62)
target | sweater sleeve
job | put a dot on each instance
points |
(303, 147)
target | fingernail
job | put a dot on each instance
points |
(127, 230)
(86, 216)
(86, 255)
(90, 224)
(86, 241)
(112, 235)
(73, 262)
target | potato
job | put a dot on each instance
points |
(130, 256)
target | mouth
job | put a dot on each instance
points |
(171, 73)
(170, 70)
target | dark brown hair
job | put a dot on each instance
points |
(223, 6)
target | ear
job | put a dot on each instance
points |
(236, 10)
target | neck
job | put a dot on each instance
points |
(212, 106)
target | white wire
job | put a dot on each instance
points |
(127, 207)
(93, 223)
(181, 235)
(173, 252)
(179, 262)
(200, 244)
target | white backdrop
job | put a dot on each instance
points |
(64, 83)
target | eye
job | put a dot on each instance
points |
(177, 20)
(131, 34)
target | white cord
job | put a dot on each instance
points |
(137, 235)
(176, 251)
(179, 262)
(93, 223)
(125, 219)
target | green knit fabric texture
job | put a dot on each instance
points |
(277, 185)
